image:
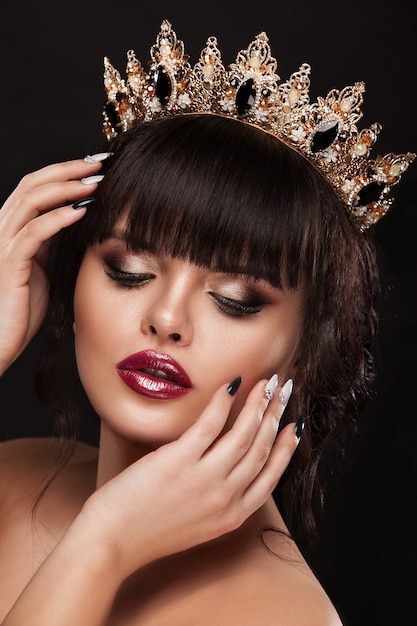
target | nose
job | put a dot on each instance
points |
(167, 319)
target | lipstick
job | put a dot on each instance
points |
(154, 375)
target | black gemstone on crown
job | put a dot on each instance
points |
(162, 85)
(245, 97)
(113, 116)
(324, 137)
(368, 194)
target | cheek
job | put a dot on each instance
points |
(99, 312)
(95, 327)
(266, 348)
(100, 342)
(258, 351)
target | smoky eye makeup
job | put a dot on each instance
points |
(129, 264)
(126, 268)
(116, 254)
(128, 279)
(240, 298)
(238, 308)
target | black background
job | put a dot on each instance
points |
(50, 110)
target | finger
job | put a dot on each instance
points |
(234, 445)
(250, 464)
(30, 239)
(201, 435)
(265, 482)
(30, 204)
(58, 172)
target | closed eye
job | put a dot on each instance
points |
(239, 308)
(127, 279)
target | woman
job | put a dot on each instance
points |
(210, 259)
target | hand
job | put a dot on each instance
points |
(30, 216)
(194, 489)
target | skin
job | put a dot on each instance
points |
(127, 559)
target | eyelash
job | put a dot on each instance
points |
(127, 279)
(238, 308)
(230, 306)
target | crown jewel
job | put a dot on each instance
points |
(324, 132)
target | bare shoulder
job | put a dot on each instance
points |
(26, 464)
(290, 598)
(37, 453)
(300, 599)
(277, 589)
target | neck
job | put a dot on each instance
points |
(116, 453)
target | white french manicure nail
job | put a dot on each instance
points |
(92, 179)
(285, 393)
(271, 387)
(96, 158)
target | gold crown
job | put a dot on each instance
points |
(324, 132)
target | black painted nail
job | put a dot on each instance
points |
(299, 427)
(234, 386)
(80, 204)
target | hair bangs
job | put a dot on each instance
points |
(207, 197)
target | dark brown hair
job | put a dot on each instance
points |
(224, 195)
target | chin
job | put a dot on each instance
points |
(143, 421)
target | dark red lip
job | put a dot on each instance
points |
(132, 371)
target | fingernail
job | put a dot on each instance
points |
(96, 158)
(271, 387)
(286, 391)
(234, 386)
(92, 179)
(299, 427)
(80, 204)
